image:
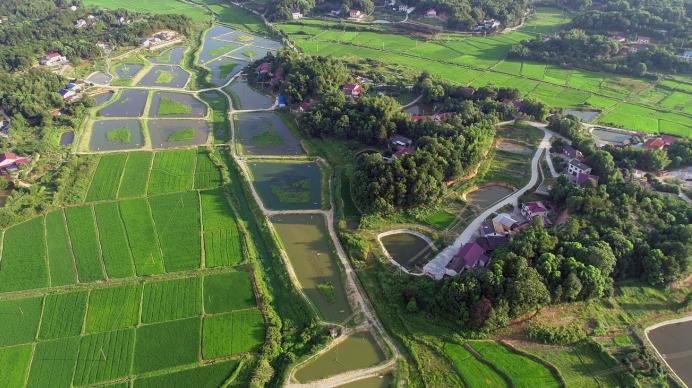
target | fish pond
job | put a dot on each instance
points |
(215, 46)
(287, 185)
(484, 197)
(224, 69)
(420, 109)
(130, 104)
(100, 78)
(582, 114)
(177, 133)
(171, 56)
(358, 351)
(251, 53)
(127, 70)
(245, 97)
(409, 250)
(67, 138)
(165, 76)
(171, 104)
(307, 243)
(266, 133)
(611, 136)
(674, 343)
(104, 97)
(116, 135)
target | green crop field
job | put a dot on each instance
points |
(153, 6)
(135, 175)
(142, 236)
(221, 236)
(15, 363)
(172, 171)
(171, 300)
(227, 292)
(232, 333)
(169, 344)
(106, 180)
(176, 217)
(523, 371)
(20, 319)
(207, 176)
(85, 243)
(116, 251)
(63, 315)
(113, 308)
(213, 375)
(104, 357)
(60, 260)
(23, 258)
(473, 372)
(53, 363)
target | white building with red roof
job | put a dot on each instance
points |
(352, 90)
(10, 162)
(53, 58)
(430, 13)
(534, 209)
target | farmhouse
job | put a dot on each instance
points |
(10, 162)
(403, 8)
(643, 39)
(576, 167)
(503, 223)
(490, 243)
(400, 141)
(355, 14)
(403, 151)
(659, 143)
(161, 38)
(471, 255)
(51, 59)
(582, 178)
(352, 90)
(296, 15)
(67, 94)
(430, 13)
(619, 38)
(571, 152)
(534, 209)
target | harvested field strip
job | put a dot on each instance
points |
(106, 180)
(116, 251)
(171, 300)
(85, 244)
(113, 308)
(227, 292)
(141, 234)
(207, 175)
(221, 236)
(172, 171)
(176, 217)
(232, 333)
(15, 365)
(166, 345)
(472, 371)
(63, 315)
(24, 259)
(60, 260)
(523, 371)
(104, 357)
(135, 175)
(54, 363)
(214, 375)
(20, 319)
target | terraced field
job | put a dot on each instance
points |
(167, 315)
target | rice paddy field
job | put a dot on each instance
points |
(181, 313)
(627, 102)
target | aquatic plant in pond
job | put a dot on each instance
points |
(120, 135)
(288, 186)
(265, 133)
(101, 129)
(169, 106)
(172, 104)
(163, 77)
(292, 191)
(267, 139)
(178, 133)
(184, 134)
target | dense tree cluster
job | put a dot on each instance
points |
(52, 27)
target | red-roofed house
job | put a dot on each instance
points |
(10, 162)
(669, 140)
(417, 118)
(264, 68)
(352, 90)
(53, 58)
(355, 14)
(403, 151)
(430, 13)
(471, 255)
(654, 143)
(619, 38)
(534, 209)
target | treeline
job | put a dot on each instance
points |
(54, 29)
(599, 52)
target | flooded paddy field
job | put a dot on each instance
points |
(410, 251)
(100, 78)
(116, 135)
(287, 185)
(130, 104)
(103, 98)
(264, 133)
(171, 56)
(172, 104)
(165, 76)
(67, 138)
(487, 196)
(674, 343)
(248, 98)
(358, 351)
(177, 133)
(127, 70)
(307, 243)
(223, 69)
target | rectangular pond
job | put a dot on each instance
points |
(214, 47)
(100, 78)
(247, 98)
(116, 135)
(171, 56)
(171, 104)
(127, 70)
(358, 351)
(224, 69)
(287, 185)
(310, 252)
(674, 343)
(165, 76)
(130, 104)
(177, 133)
(265, 133)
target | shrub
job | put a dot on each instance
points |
(562, 335)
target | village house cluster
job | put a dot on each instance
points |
(161, 39)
